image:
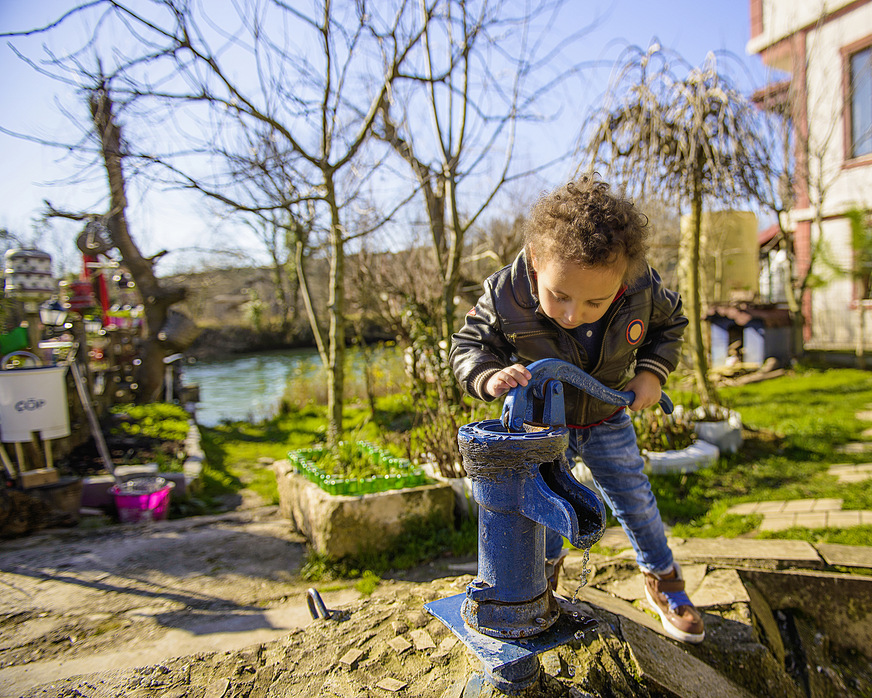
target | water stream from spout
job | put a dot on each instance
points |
(584, 572)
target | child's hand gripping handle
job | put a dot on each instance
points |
(545, 384)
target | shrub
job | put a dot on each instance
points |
(656, 431)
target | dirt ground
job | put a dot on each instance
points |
(210, 607)
(76, 602)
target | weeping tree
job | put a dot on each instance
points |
(685, 134)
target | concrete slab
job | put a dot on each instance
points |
(798, 505)
(828, 504)
(744, 509)
(845, 555)
(849, 468)
(694, 576)
(856, 476)
(720, 588)
(633, 588)
(620, 607)
(843, 519)
(770, 553)
(855, 447)
(815, 519)
(614, 537)
(778, 522)
(664, 665)
(773, 507)
(629, 589)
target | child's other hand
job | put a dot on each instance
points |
(500, 383)
(646, 386)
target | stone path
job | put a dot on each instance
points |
(388, 645)
(779, 515)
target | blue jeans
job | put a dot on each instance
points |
(611, 453)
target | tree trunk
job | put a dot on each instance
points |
(156, 300)
(692, 297)
(336, 313)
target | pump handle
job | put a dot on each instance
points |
(518, 406)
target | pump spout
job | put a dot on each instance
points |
(555, 499)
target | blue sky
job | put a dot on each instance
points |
(33, 104)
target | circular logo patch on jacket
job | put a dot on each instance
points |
(635, 331)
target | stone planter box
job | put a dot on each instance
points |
(344, 525)
(465, 507)
(686, 460)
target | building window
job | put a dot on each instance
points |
(861, 102)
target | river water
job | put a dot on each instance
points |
(248, 387)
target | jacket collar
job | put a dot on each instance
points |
(524, 281)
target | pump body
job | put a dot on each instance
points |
(522, 483)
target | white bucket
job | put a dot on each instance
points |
(33, 399)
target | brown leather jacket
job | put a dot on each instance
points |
(644, 328)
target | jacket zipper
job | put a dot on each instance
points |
(612, 315)
(513, 337)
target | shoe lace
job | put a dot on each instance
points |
(676, 599)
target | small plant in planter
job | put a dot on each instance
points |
(669, 443)
(710, 413)
(657, 431)
(355, 468)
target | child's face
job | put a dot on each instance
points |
(573, 295)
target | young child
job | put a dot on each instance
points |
(582, 291)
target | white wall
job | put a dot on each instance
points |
(841, 188)
(826, 109)
(781, 18)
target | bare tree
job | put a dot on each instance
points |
(674, 131)
(157, 297)
(258, 180)
(486, 70)
(313, 81)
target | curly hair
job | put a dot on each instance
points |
(584, 223)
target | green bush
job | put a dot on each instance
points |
(156, 420)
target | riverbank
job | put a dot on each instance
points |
(228, 341)
(232, 340)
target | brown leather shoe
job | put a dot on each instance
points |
(552, 570)
(666, 595)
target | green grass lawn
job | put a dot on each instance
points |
(794, 427)
(233, 449)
